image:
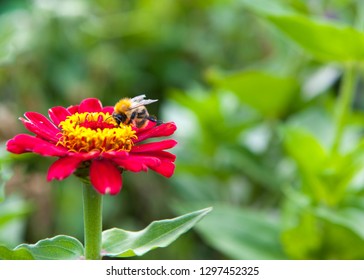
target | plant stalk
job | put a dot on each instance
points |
(92, 217)
(343, 106)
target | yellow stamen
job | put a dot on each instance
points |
(85, 132)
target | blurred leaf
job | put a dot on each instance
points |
(317, 121)
(13, 208)
(5, 171)
(269, 94)
(299, 144)
(350, 218)
(326, 176)
(60, 247)
(16, 254)
(5, 48)
(13, 213)
(327, 41)
(5, 175)
(121, 243)
(323, 232)
(310, 157)
(266, 7)
(336, 249)
(242, 160)
(303, 240)
(300, 228)
(241, 233)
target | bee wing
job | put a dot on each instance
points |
(139, 100)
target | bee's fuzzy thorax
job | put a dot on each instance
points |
(123, 105)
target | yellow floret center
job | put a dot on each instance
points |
(85, 132)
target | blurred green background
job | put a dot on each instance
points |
(267, 98)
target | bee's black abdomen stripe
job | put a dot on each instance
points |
(142, 113)
(133, 116)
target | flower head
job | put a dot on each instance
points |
(91, 145)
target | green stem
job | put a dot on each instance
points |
(344, 105)
(92, 216)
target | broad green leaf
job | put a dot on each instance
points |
(60, 247)
(121, 243)
(317, 122)
(16, 254)
(241, 233)
(268, 94)
(327, 41)
(350, 218)
(304, 148)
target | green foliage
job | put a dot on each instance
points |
(269, 94)
(115, 242)
(255, 88)
(326, 41)
(13, 213)
(241, 233)
(16, 254)
(60, 247)
(120, 243)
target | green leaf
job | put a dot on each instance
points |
(60, 247)
(120, 243)
(16, 254)
(13, 213)
(13, 208)
(327, 41)
(268, 94)
(301, 235)
(266, 7)
(300, 143)
(241, 233)
(350, 218)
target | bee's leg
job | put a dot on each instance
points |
(154, 119)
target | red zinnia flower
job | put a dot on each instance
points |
(90, 144)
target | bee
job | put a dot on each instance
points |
(133, 111)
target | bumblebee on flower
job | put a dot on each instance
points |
(104, 141)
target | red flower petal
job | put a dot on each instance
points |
(86, 156)
(63, 167)
(149, 125)
(165, 129)
(41, 126)
(115, 154)
(166, 168)
(23, 143)
(155, 146)
(105, 177)
(58, 114)
(90, 105)
(108, 109)
(137, 163)
(73, 109)
(162, 155)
